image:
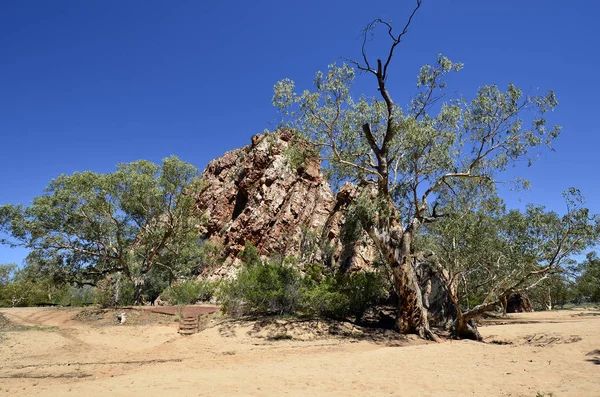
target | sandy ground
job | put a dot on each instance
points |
(53, 352)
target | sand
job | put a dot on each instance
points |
(49, 352)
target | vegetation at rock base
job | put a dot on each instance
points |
(278, 287)
(188, 292)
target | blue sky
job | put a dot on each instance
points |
(85, 85)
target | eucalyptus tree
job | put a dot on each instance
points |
(134, 222)
(11, 293)
(588, 281)
(408, 154)
(487, 254)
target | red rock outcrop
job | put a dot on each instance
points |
(254, 194)
(272, 193)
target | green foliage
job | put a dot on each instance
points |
(89, 225)
(249, 255)
(556, 291)
(188, 292)
(343, 295)
(278, 287)
(299, 153)
(262, 288)
(588, 283)
(309, 245)
(115, 290)
(156, 281)
(78, 296)
(476, 139)
(18, 288)
(491, 252)
(325, 299)
(209, 257)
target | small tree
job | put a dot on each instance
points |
(134, 221)
(408, 155)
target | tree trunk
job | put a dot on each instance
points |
(116, 291)
(464, 326)
(464, 329)
(412, 314)
(140, 284)
(549, 300)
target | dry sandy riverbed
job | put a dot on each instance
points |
(56, 352)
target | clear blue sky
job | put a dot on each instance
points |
(85, 85)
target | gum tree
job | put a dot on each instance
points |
(137, 221)
(409, 154)
(487, 254)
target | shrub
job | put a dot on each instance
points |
(298, 155)
(263, 288)
(364, 289)
(209, 257)
(324, 299)
(249, 255)
(343, 295)
(278, 287)
(189, 292)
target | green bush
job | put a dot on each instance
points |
(324, 299)
(208, 257)
(343, 295)
(189, 292)
(249, 255)
(18, 288)
(263, 288)
(278, 287)
(298, 155)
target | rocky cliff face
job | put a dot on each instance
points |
(272, 193)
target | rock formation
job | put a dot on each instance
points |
(272, 193)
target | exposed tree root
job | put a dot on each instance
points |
(429, 334)
(465, 330)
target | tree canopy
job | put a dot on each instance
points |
(134, 221)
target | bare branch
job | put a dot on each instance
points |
(398, 39)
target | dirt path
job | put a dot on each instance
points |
(526, 354)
